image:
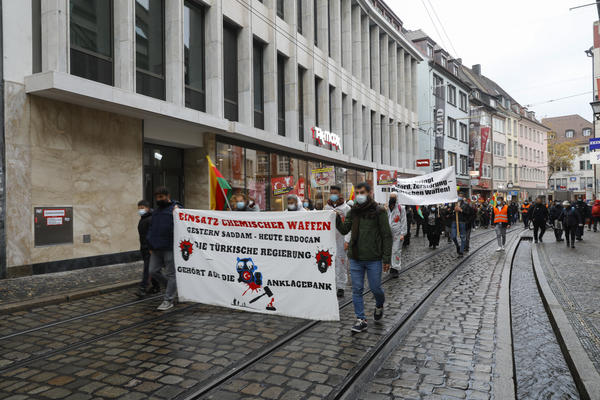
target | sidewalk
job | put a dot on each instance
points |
(574, 277)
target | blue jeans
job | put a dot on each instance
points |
(357, 273)
(463, 236)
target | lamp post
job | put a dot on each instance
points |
(596, 110)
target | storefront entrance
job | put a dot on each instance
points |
(163, 166)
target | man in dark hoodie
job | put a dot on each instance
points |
(538, 215)
(160, 241)
(571, 220)
(143, 227)
(555, 213)
(369, 251)
(584, 212)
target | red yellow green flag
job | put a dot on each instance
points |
(494, 202)
(220, 190)
(351, 197)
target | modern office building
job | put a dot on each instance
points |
(443, 109)
(106, 100)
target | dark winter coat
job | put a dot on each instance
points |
(143, 229)
(555, 212)
(571, 217)
(538, 213)
(160, 234)
(583, 209)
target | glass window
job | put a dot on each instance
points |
(315, 22)
(149, 48)
(587, 132)
(569, 133)
(452, 161)
(280, 8)
(451, 94)
(463, 101)
(281, 95)
(257, 71)
(299, 16)
(298, 169)
(193, 48)
(257, 177)
(463, 165)
(280, 167)
(451, 127)
(91, 39)
(463, 132)
(590, 182)
(230, 162)
(230, 76)
(301, 104)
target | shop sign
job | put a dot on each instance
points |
(437, 165)
(474, 174)
(322, 176)
(594, 143)
(572, 178)
(423, 163)
(282, 185)
(326, 137)
(386, 177)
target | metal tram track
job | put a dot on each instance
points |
(351, 380)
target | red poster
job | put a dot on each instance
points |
(300, 189)
(485, 133)
(386, 177)
(282, 185)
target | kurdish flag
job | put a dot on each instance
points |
(420, 212)
(351, 197)
(220, 190)
(494, 199)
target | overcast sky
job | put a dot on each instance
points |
(534, 49)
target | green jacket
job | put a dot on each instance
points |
(374, 237)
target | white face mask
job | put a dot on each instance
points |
(142, 212)
(361, 198)
(291, 207)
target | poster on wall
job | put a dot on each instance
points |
(300, 189)
(386, 177)
(485, 133)
(282, 185)
(322, 176)
(52, 225)
(438, 187)
(272, 263)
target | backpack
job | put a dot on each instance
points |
(431, 219)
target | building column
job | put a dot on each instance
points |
(374, 57)
(393, 63)
(385, 141)
(407, 146)
(214, 59)
(291, 76)
(356, 43)
(347, 125)
(55, 44)
(124, 46)
(174, 58)
(308, 21)
(366, 50)
(347, 38)
(384, 70)
(335, 24)
(323, 25)
(400, 77)
(394, 143)
(336, 119)
(408, 83)
(377, 131)
(270, 74)
(357, 129)
(413, 86)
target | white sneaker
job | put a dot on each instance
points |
(499, 249)
(165, 305)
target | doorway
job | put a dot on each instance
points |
(163, 166)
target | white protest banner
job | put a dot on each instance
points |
(439, 187)
(272, 263)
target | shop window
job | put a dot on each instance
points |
(230, 162)
(149, 44)
(193, 49)
(280, 167)
(91, 42)
(257, 177)
(230, 72)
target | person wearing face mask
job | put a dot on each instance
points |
(539, 216)
(571, 219)
(433, 225)
(370, 251)
(240, 203)
(525, 213)
(501, 219)
(294, 203)
(160, 241)
(398, 224)
(462, 209)
(145, 214)
(336, 203)
(308, 204)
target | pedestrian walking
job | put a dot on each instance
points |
(145, 214)
(433, 225)
(419, 222)
(513, 211)
(596, 215)
(397, 220)
(336, 203)
(160, 243)
(555, 213)
(525, 213)
(572, 220)
(501, 220)
(370, 251)
(584, 212)
(409, 221)
(446, 216)
(539, 216)
(459, 217)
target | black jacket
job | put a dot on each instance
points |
(555, 212)
(538, 213)
(143, 229)
(583, 209)
(160, 234)
(571, 217)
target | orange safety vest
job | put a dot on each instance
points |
(501, 215)
(525, 208)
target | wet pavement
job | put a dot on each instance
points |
(540, 367)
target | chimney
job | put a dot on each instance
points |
(476, 69)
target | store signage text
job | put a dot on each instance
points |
(327, 137)
(423, 163)
(439, 122)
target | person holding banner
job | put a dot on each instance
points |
(337, 204)
(294, 203)
(398, 222)
(240, 203)
(370, 251)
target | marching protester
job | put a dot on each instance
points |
(160, 244)
(538, 215)
(446, 217)
(555, 219)
(584, 212)
(595, 215)
(525, 213)
(485, 215)
(461, 213)
(398, 225)
(433, 225)
(143, 227)
(308, 204)
(409, 222)
(501, 218)
(420, 221)
(336, 203)
(571, 220)
(513, 211)
(369, 251)
(294, 203)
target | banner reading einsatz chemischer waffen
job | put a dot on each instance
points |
(436, 188)
(271, 263)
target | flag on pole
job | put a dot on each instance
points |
(220, 190)
(420, 212)
(351, 197)
(494, 201)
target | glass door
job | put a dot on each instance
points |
(163, 166)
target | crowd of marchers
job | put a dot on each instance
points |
(370, 236)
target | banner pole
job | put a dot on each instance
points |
(457, 226)
(225, 196)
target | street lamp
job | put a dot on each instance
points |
(596, 109)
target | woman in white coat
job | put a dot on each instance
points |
(397, 219)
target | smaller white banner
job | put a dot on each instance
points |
(595, 157)
(438, 187)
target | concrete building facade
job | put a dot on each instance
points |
(106, 100)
